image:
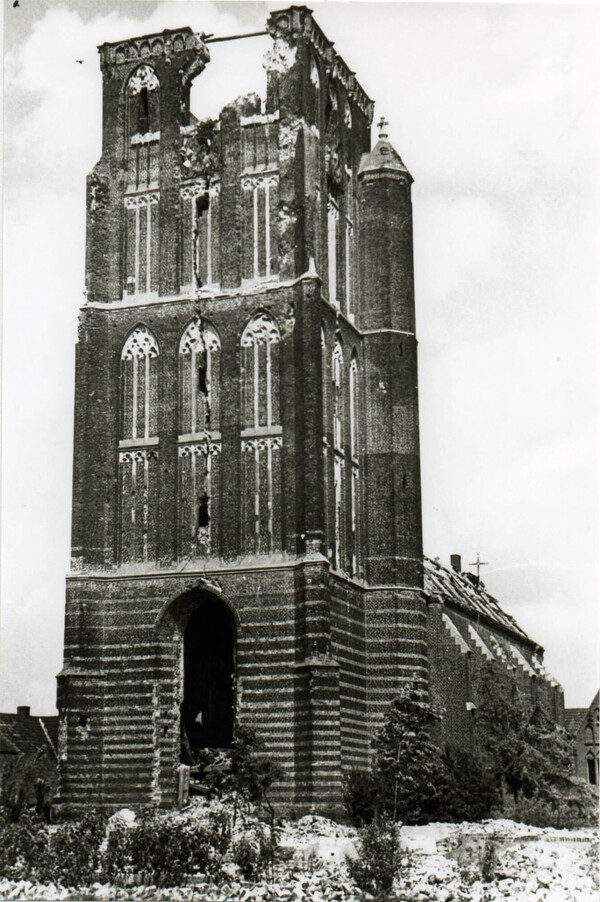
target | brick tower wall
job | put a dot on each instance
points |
(232, 440)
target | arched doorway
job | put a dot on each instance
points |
(207, 710)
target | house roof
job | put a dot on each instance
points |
(26, 733)
(573, 718)
(466, 592)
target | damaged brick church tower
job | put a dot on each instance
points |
(246, 513)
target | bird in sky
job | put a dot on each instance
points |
(79, 61)
(16, 3)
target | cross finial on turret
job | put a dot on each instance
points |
(382, 126)
(478, 564)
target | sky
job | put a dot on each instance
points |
(494, 109)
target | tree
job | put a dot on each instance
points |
(252, 771)
(28, 782)
(531, 757)
(408, 765)
(470, 790)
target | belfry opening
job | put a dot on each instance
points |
(207, 709)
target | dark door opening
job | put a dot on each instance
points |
(207, 711)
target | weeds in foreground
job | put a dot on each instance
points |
(489, 860)
(378, 860)
(593, 863)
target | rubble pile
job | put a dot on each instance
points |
(483, 862)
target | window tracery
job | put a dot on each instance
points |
(261, 438)
(333, 216)
(261, 187)
(141, 211)
(199, 485)
(355, 477)
(138, 500)
(347, 114)
(337, 363)
(142, 101)
(142, 98)
(199, 369)
(326, 450)
(314, 74)
(200, 202)
(199, 376)
(260, 377)
(144, 77)
(139, 379)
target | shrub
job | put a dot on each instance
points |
(470, 791)
(543, 810)
(254, 854)
(268, 846)
(22, 845)
(360, 795)
(246, 855)
(476, 857)
(489, 858)
(219, 831)
(378, 860)
(117, 855)
(252, 771)
(166, 851)
(72, 854)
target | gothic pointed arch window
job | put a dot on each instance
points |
(142, 97)
(314, 92)
(140, 383)
(337, 390)
(592, 771)
(337, 368)
(354, 407)
(199, 438)
(354, 462)
(260, 372)
(333, 215)
(138, 448)
(142, 101)
(199, 378)
(261, 434)
(324, 369)
(325, 428)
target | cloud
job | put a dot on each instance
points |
(493, 109)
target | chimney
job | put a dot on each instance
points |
(23, 710)
(455, 563)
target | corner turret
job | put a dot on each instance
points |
(384, 160)
(386, 316)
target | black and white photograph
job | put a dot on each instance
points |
(299, 451)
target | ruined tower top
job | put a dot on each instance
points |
(295, 26)
(150, 232)
(167, 45)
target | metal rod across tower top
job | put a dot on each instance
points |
(209, 39)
